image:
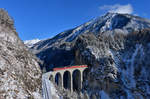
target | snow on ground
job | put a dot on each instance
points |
(48, 89)
(129, 73)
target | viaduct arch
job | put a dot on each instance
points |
(76, 80)
(70, 78)
(67, 80)
(58, 79)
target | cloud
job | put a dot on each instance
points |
(117, 8)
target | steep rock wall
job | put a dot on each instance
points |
(119, 64)
(20, 75)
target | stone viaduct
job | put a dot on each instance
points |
(69, 77)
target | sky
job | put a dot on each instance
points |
(41, 19)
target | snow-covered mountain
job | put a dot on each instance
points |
(30, 43)
(110, 23)
(116, 47)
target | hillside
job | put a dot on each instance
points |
(61, 46)
(116, 47)
(20, 75)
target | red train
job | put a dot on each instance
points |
(71, 67)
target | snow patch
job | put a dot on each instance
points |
(30, 43)
(95, 51)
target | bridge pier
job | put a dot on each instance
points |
(81, 79)
(62, 84)
(71, 83)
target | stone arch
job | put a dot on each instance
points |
(51, 78)
(67, 80)
(85, 74)
(85, 78)
(77, 84)
(58, 79)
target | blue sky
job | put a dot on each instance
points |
(46, 18)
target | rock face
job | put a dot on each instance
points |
(119, 64)
(20, 75)
(116, 47)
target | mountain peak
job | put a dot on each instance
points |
(30, 43)
(112, 21)
(109, 23)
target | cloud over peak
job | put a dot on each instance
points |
(117, 8)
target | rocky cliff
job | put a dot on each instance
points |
(119, 64)
(20, 75)
(116, 47)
